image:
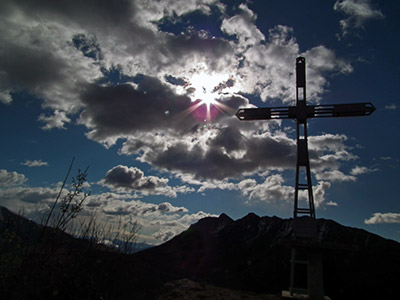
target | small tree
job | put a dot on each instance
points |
(70, 205)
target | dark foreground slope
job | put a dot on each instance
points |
(39, 262)
(246, 255)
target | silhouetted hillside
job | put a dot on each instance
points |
(248, 255)
(24, 231)
(39, 262)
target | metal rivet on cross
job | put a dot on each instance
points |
(301, 112)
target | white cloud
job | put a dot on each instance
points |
(149, 11)
(391, 107)
(358, 11)
(243, 28)
(319, 61)
(268, 63)
(164, 235)
(385, 158)
(35, 163)
(380, 218)
(334, 175)
(215, 184)
(357, 170)
(319, 194)
(162, 221)
(169, 229)
(5, 96)
(30, 195)
(267, 67)
(11, 178)
(57, 120)
(330, 142)
(34, 201)
(329, 161)
(109, 209)
(272, 189)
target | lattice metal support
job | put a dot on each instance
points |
(303, 161)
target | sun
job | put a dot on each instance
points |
(208, 91)
(205, 87)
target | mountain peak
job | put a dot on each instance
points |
(251, 216)
(224, 217)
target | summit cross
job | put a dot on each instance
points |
(301, 112)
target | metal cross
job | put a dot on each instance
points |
(301, 112)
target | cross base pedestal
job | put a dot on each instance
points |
(299, 295)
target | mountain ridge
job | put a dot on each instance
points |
(248, 254)
(245, 254)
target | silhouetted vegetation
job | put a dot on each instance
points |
(63, 259)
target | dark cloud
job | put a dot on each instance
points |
(224, 152)
(210, 163)
(132, 178)
(174, 80)
(230, 138)
(229, 155)
(110, 12)
(181, 47)
(121, 110)
(121, 176)
(29, 67)
(164, 207)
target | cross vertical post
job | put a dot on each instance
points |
(303, 161)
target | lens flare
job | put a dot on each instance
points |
(205, 92)
(208, 92)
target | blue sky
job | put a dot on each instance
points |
(145, 92)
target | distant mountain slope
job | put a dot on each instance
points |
(24, 231)
(248, 254)
(27, 231)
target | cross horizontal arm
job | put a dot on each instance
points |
(265, 113)
(340, 110)
(306, 112)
